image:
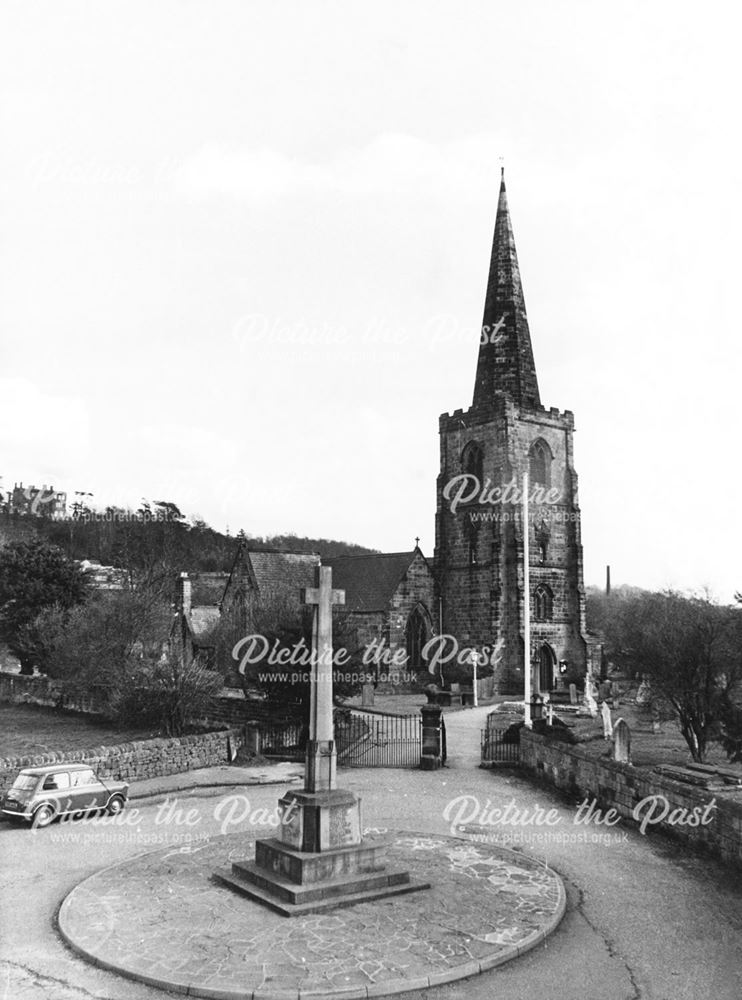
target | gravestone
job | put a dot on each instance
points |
(318, 860)
(573, 694)
(622, 742)
(656, 723)
(644, 694)
(605, 713)
(367, 696)
(589, 699)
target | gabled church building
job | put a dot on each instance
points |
(484, 453)
(475, 589)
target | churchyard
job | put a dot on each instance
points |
(649, 746)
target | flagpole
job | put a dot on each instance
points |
(526, 606)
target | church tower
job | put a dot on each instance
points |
(485, 452)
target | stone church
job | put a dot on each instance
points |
(479, 547)
(473, 589)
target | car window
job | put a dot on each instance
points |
(24, 783)
(53, 782)
(83, 778)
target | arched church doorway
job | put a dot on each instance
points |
(417, 633)
(546, 664)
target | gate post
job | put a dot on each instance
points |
(253, 742)
(431, 757)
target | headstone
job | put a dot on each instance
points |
(589, 699)
(656, 727)
(605, 713)
(643, 695)
(367, 696)
(573, 694)
(622, 742)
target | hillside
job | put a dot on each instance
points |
(167, 546)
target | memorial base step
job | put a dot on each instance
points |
(289, 899)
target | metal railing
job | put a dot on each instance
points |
(284, 740)
(362, 739)
(500, 746)
(368, 740)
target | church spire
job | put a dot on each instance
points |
(505, 354)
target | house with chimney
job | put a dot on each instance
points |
(197, 609)
(34, 501)
(259, 585)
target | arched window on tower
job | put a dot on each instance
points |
(472, 460)
(539, 465)
(543, 603)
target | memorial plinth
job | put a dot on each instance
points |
(319, 860)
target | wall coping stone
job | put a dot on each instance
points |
(723, 837)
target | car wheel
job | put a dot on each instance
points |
(43, 816)
(115, 805)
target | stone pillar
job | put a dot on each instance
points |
(321, 759)
(253, 742)
(431, 757)
(184, 594)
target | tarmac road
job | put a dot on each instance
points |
(645, 919)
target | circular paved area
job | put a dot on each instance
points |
(159, 918)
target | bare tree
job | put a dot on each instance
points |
(690, 649)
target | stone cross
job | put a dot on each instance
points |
(320, 767)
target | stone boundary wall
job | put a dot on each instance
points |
(138, 760)
(21, 689)
(622, 787)
(224, 711)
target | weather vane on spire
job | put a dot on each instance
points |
(502, 166)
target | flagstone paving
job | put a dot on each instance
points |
(161, 919)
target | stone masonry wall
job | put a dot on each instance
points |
(223, 710)
(622, 787)
(136, 761)
(20, 689)
(479, 561)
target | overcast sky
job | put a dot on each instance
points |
(245, 248)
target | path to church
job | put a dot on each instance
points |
(644, 919)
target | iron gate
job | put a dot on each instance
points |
(500, 746)
(284, 740)
(367, 740)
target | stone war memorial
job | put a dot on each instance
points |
(321, 910)
(320, 859)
